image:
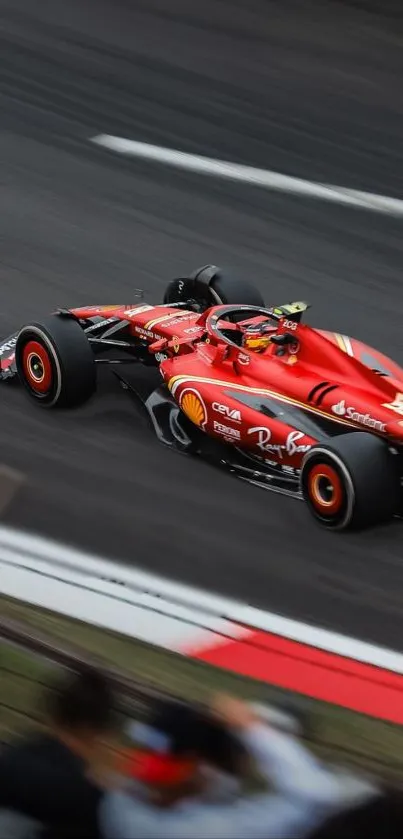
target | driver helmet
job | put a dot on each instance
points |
(258, 336)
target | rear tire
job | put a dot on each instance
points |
(352, 482)
(55, 363)
(209, 286)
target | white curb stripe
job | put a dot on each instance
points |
(136, 620)
(251, 175)
(87, 597)
(148, 607)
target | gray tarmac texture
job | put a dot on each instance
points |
(312, 90)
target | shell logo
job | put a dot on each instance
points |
(193, 406)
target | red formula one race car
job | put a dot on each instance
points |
(307, 413)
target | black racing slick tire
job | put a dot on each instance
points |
(351, 482)
(55, 363)
(209, 286)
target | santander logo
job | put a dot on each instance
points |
(341, 410)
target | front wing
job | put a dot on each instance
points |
(8, 369)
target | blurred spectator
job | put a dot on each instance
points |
(186, 751)
(381, 817)
(48, 778)
(303, 793)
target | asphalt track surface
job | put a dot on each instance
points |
(309, 89)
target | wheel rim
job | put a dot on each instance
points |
(37, 367)
(325, 489)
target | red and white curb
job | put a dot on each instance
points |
(216, 630)
(310, 671)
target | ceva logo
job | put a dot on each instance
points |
(340, 408)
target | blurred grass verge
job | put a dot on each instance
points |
(335, 733)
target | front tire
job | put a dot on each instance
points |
(55, 363)
(209, 286)
(352, 482)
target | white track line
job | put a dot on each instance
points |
(251, 175)
(143, 605)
